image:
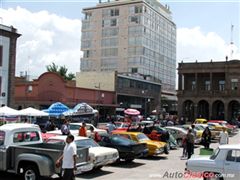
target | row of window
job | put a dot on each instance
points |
(221, 85)
(109, 22)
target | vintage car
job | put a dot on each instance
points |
(230, 128)
(99, 156)
(128, 150)
(200, 121)
(154, 147)
(198, 130)
(74, 128)
(216, 126)
(214, 133)
(178, 133)
(224, 163)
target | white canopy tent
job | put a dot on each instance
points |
(7, 111)
(32, 112)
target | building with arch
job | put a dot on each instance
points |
(209, 90)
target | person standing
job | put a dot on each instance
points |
(94, 135)
(111, 126)
(206, 137)
(190, 143)
(223, 137)
(68, 159)
(83, 130)
(65, 129)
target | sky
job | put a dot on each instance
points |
(51, 31)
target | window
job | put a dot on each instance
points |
(86, 44)
(109, 63)
(113, 22)
(109, 52)
(87, 35)
(110, 12)
(134, 70)
(135, 19)
(207, 86)
(1, 55)
(234, 84)
(109, 22)
(109, 42)
(114, 12)
(233, 155)
(26, 136)
(87, 53)
(88, 15)
(109, 32)
(221, 85)
(193, 85)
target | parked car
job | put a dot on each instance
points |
(200, 121)
(128, 149)
(216, 126)
(22, 151)
(224, 163)
(230, 128)
(178, 133)
(99, 156)
(198, 130)
(154, 147)
(74, 128)
(214, 133)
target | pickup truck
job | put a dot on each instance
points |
(23, 152)
(224, 163)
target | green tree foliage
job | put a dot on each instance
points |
(61, 70)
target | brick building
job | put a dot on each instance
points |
(209, 89)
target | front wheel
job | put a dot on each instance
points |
(31, 173)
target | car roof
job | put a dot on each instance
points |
(13, 126)
(230, 146)
(63, 137)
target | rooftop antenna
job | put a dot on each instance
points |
(231, 42)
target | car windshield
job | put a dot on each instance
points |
(86, 143)
(2, 137)
(142, 137)
(199, 128)
(215, 153)
(74, 127)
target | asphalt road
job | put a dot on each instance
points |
(160, 167)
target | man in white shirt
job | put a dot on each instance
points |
(223, 137)
(68, 159)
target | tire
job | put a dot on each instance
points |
(31, 173)
(179, 142)
(98, 168)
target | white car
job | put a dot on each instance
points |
(99, 156)
(74, 128)
(223, 164)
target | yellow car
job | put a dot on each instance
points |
(154, 147)
(199, 132)
(216, 126)
(200, 121)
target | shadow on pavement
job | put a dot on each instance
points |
(93, 174)
(156, 158)
(123, 164)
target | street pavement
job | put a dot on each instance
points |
(160, 167)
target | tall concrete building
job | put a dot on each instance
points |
(8, 43)
(130, 36)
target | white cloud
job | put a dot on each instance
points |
(46, 38)
(193, 44)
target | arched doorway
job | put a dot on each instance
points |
(203, 109)
(218, 110)
(233, 110)
(188, 110)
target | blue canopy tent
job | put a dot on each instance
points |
(56, 109)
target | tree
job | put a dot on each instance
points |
(62, 71)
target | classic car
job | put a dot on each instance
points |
(198, 130)
(200, 121)
(214, 133)
(216, 126)
(179, 132)
(224, 163)
(99, 156)
(128, 150)
(230, 128)
(154, 147)
(74, 127)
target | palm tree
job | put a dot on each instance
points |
(62, 71)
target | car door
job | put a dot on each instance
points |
(232, 165)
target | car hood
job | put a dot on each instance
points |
(158, 144)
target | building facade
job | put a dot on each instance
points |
(132, 91)
(51, 87)
(209, 89)
(8, 42)
(136, 36)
